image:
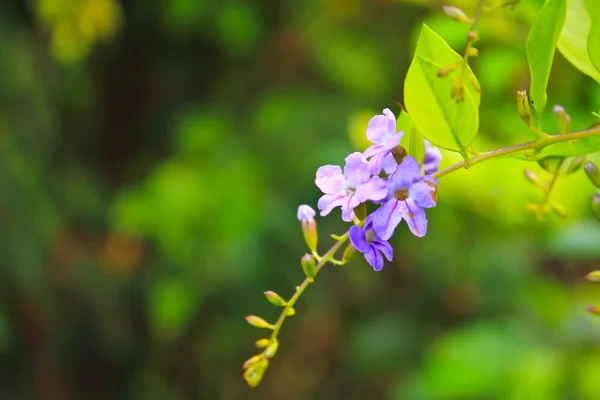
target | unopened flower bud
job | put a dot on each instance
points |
(551, 164)
(456, 14)
(593, 276)
(458, 90)
(562, 119)
(594, 310)
(251, 361)
(591, 170)
(473, 52)
(308, 265)
(306, 216)
(576, 164)
(290, 311)
(275, 299)
(260, 343)
(272, 349)
(258, 322)
(596, 204)
(523, 108)
(254, 374)
(349, 252)
(533, 178)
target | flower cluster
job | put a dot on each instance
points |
(387, 177)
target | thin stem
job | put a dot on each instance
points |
(534, 145)
(471, 37)
(290, 304)
(553, 182)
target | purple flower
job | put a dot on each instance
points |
(381, 131)
(408, 195)
(372, 246)
(349, 189)
(433, 157)
(305, 213)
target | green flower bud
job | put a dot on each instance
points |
(456, 14)
(272, 349)
(562, 119)
(551, 164)
(523, 108)
(254, 374)
(596, 204)
(251, 361)
(473, 52)
(258, 322)
(591, 170)
(458, 90)
(443, 72)
(260, 343)
(593, 276)
(308, 265)
(290, 311)
(309, 226)
(576, 164)
(349, 252)
(533, 178)
(275, 299)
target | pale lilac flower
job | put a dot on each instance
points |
(433, 157)
(408, 195)
(305, 213)
(354, 186)
(372, 246)
(381, 131)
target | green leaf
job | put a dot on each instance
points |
(541, 44)
(593, 44)
(434, 112)
(573, 40)
(412, 140)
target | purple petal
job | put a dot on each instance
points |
(374, 150)
(384, 247)
(386, 219)
(422, 194)
(431, 162)
(330, 179)
(356, 170)
(327, 202)
(406, 174)
(305, 213)
(358, 239)
(415, 218)
(375, 190)
(374, 258)
(376, 162)
(391, 120)
(389, 164)
(348, 206)
(377, 128)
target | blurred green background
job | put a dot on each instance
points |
(152, 158)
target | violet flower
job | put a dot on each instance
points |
(381, 131)
(433, 157)
(354, 186)
(370, 244)
(408, 195)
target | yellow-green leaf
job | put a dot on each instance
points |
(436, 115)
(412, 140)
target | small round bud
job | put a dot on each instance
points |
(562, 119)
(593, 276)
(533, 178)
(260, 343)
(472, 36)
(306, 216)
(308, 265)
(275, 299)
(596, 204)
(456, 14)
(290, 311)
(591, 170)
(272, 349)
(258, 322)
(523, 108)
(254, 374)
(576, 164)
(458, 90)
(473, 52)
(251, 361)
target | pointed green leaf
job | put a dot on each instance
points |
(593, 44)
(412, 140)
(541, 45)
(437, 116)
(573, 40)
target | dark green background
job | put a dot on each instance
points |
(152, 158)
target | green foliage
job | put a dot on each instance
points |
(412, 140)
(573, 41)
(443, 121)
(593, 44)
(541, 45)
